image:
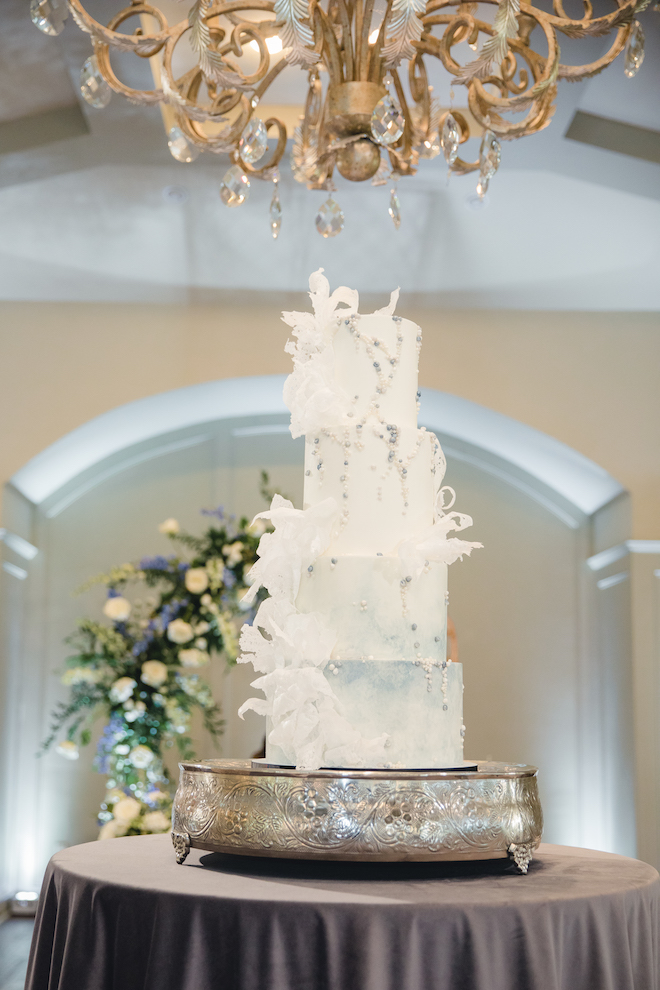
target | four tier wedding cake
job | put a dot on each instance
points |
(352, 642)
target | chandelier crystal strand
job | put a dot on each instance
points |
(49, 15)
(275, 209)
(394, 209)
(93, 86)
(235, 187)
(450, 139)
(490, 155)
(180, 147)
(329, 219)
(634, 50)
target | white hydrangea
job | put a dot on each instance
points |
(169, 528)
(121, 690)
(141, 757)
(81, 675)
(299, 537)
(126, 810)
(156, 821)
(113, 829)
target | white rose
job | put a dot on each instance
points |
(233, 553)
(179, 631)
(206, 600)
(157, 821)
(193, 657)
(121, 690)
(197, 580)
(201, 643)
(118, 609)
(169, 528)
(122, 749)
(113, 829)
(202, 627)
(67, 749)
(141, 757)
(154, 673)
(126, 810)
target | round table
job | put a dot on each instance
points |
(121, 915)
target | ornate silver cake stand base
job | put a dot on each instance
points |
(249, 809)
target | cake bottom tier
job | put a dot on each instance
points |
(419, 706)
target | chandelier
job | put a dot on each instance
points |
(369, 112)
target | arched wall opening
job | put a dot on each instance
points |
(544, 637)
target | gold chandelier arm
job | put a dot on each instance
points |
(347, 45)
(403, 151)
(332, 54)
(589, 26)
(362, 41)
(573, 73)
(147, 97)
(138, 43)
(375, 64)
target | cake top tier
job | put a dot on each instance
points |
(350, 368)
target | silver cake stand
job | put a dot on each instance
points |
(250, 809)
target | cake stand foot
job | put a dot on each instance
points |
(181, 845)
(521, 853)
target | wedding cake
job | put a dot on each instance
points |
(352, 642)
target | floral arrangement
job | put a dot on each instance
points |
(142, 671)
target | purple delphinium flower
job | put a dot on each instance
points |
(219, 512)
(113, 593)
(228, 578)
(183, 567)
(157, 563)
(112, 732)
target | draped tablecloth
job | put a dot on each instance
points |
(121, 915)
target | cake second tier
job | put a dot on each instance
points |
(375, 609)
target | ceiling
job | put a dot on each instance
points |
(93, 207)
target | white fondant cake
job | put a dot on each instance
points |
(352, 642)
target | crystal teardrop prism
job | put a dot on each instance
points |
(330, 219)
(93, 86)
(394, 209)
(430, 147)
(482, 187)
(275, 213)
(180, 147)
(490, 155)
(314, 103)
(254, 141)
(49, 15)
(450, 140)
(235, 187)
(634, 50)
(387, 121)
